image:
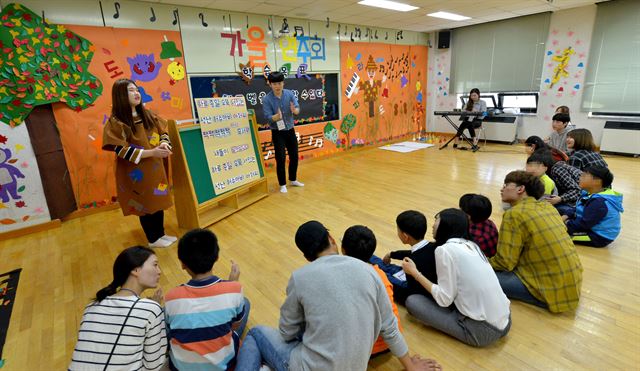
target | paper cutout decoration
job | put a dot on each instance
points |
(176, 72)
(330, 133)
(246, 72)
(285, 69)
(348, 123)
(302, 72)
(169, 50)
(9, 175)
(144, 67)
(42, 63)
(560, 70)
(144, 96)
(266, 71)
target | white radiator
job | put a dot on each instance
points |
(501, 128)
(621, 137)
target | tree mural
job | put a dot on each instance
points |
(42, 63)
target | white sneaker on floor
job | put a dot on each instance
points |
(296, 183)
(283, 189)
(168, 238)
(160, 243)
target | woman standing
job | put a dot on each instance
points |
(140, 140)
(481, 313)
(474, 104)
(120, 330)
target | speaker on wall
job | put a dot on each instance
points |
(444, 39)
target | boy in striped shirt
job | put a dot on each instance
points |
(207, 315)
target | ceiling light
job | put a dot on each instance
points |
(449, 16)
(386, 4)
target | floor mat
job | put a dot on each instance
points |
(8, 288)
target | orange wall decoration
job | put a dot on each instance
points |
(154, 60)
(386, 106)
(388, 100)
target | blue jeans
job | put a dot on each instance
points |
(515, 289)
(243, 322)
(400, 288)
(265, 343)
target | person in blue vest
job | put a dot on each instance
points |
(596, 221)
(279, 106)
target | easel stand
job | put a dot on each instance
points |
(189, 212)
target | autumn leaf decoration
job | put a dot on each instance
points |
(42, 63)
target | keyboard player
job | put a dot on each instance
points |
(471, 123)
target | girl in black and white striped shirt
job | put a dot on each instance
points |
(120, 330)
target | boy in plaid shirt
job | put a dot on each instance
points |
(482, 230)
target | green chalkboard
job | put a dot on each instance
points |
(193, 147)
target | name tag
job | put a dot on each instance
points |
(281, 125)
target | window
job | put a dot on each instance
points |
(523, 102)
(505, 55)
(612, 83)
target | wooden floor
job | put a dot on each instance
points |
(64, 267)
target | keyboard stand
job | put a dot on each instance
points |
(466, 139)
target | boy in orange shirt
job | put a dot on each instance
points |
(359, 242)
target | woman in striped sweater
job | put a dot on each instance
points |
(120, 330)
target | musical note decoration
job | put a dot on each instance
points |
(201, 16)
(117, 13)
(153, 15)
(175, 17)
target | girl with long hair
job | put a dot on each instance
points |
(120, 330)
(474, 104)
(480, 314)
(141, 142)
(583, 155)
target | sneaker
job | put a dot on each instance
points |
(283, 189)
(296, 183)
(168, 238)
(475, 148)
(160, 243)
(265, 368)
(455, 145)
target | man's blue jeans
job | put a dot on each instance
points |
(264, 343)
(515, 289)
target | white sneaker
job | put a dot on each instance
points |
(160, 243)
(265, 368)
(296, 183)
(168, 238)
(283, 189)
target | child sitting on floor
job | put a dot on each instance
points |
(206, 316)
(536, 167)
(482, 230)
(596, 221)
(359, 242)
(411, 227)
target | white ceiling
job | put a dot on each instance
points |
(349, 11)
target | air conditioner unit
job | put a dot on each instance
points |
(621, 137)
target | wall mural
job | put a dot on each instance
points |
(564, 69)
(154, 60)
(383, 97)
(42, 63)
(383, 92)
(22, 201)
